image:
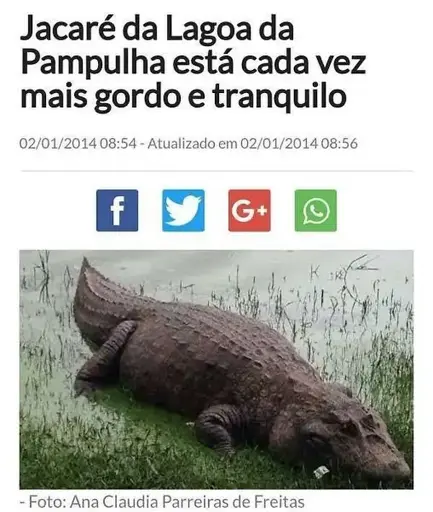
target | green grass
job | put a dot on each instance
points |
(114, 442)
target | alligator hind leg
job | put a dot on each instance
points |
(100, 367)
(219, 426)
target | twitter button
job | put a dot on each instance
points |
(183, 210)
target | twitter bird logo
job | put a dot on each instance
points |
(183, 210)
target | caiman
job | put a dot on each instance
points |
(238, 379)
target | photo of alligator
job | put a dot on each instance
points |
(189, 389)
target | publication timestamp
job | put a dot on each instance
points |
(185, 143)
(68, 143)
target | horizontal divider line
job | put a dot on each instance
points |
(213, 171)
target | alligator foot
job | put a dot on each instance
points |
(98, 370)
(215, 427)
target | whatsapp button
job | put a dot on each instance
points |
(315, 210)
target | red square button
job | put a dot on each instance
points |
(249, 210)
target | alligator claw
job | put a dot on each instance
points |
(85, 389)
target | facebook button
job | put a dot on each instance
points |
(117, 210)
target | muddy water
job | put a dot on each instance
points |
(318, 297)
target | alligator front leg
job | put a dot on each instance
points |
(284, 440)
(96, 372)
(219, 426)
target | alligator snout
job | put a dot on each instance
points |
(394, 471)
(398, 471)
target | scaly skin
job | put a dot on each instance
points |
(236, 377)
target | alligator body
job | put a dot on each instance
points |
(235, 377)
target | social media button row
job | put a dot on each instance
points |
(249, 210)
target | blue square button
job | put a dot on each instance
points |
(117, 210)
(183, 210)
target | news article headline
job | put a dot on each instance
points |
(211, 61)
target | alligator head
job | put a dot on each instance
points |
(342, 435)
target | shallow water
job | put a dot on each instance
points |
(314, 297)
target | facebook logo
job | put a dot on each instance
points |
(117, 210)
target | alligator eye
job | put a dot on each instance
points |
(317, 441)
(350, 428)
(370, 421)
(317, 447)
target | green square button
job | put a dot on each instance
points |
(315, 210)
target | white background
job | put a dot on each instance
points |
(387, 111)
